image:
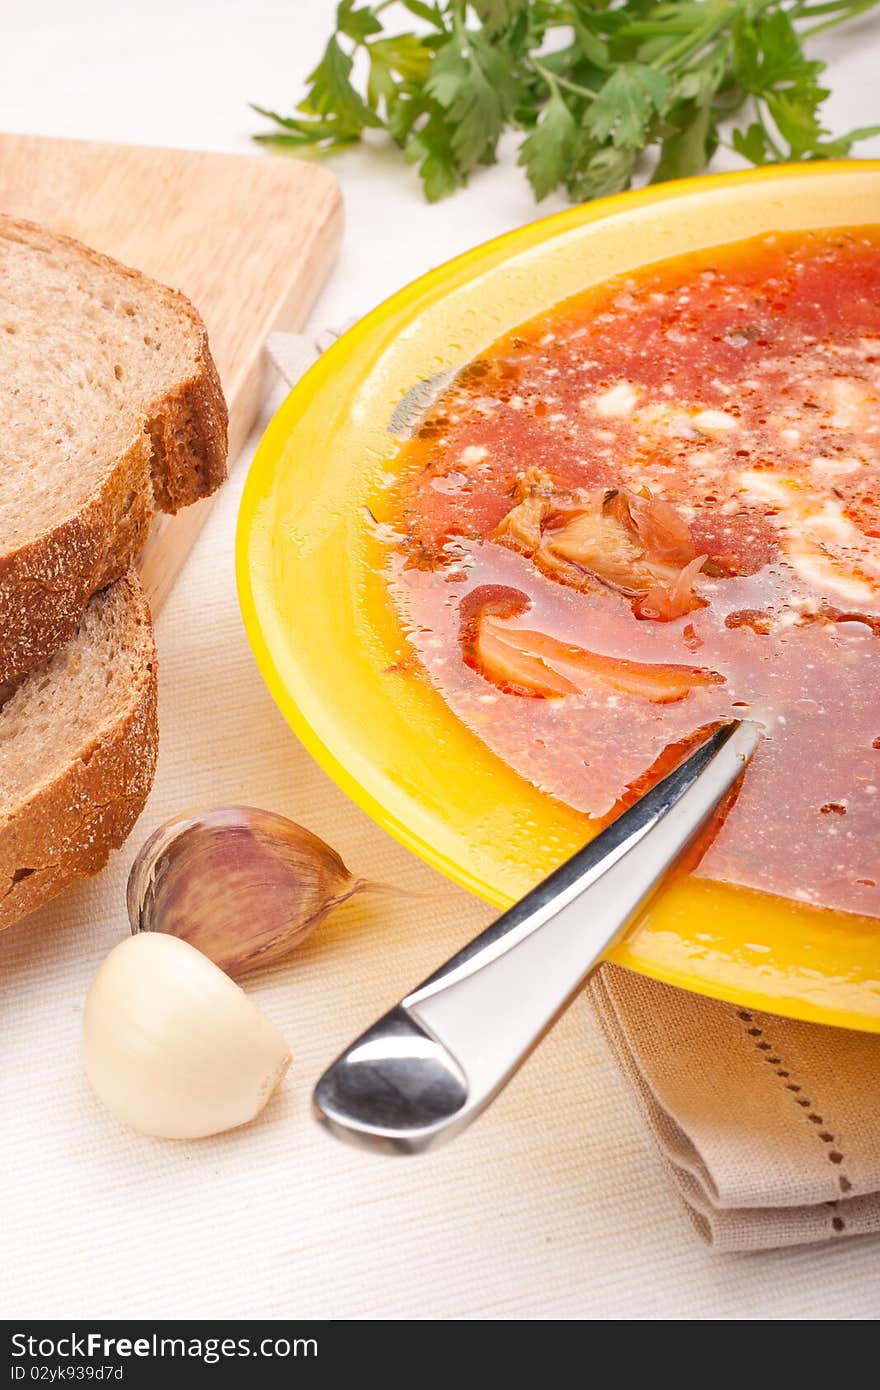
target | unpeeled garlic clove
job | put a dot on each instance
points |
(243, 886)
(173, 1047)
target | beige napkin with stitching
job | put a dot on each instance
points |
(769, 1128)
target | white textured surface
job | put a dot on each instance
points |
(554, 1205)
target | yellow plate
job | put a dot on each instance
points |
(325, 635)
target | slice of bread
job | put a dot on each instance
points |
(111, 407)
(78, 743)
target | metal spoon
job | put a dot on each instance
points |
(429, 1067)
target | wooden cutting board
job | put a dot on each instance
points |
(249, 238)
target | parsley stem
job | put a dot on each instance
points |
(846, 11)
(767, 135)
(804, 10)
(459, 24)
(688, 45)
(555, 79)
(722, 19)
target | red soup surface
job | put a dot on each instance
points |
(653, 508)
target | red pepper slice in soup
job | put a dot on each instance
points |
(527, 662)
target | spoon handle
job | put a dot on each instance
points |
(432, 1064)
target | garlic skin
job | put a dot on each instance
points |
(242, 885)
(173, 1047)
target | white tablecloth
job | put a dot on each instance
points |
(554, 1205)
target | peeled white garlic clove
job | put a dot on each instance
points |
(175, 1048)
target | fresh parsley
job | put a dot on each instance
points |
(593, 85)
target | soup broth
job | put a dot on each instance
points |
(655, 507)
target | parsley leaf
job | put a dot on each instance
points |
(431, 14)
(356, 23)
(396, 64)
(603, 171)
(546, 152)
(431, 149)
(690, 144)
(473, 82)
(332, 95)
(496, 15)
(625, 105)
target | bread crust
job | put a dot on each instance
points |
(67, 826)
(193, 421)
(45, 585)
(179, 457)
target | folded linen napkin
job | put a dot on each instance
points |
(770, 1128)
